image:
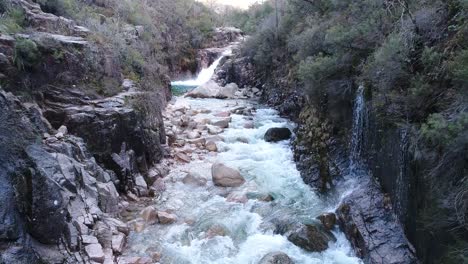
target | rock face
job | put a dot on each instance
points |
(52, 189)
(226, 177)
(237, 70)
(109, 126)
(373, 229)
(277, 134)
(276, 258)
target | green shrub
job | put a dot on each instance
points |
(440, 131)
(459, 66)
(315, 70)
(12, 21)
(26, 54)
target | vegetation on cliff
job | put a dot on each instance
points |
(411, 56)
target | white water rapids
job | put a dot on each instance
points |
(214, 227)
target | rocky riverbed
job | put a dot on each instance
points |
(229, 195)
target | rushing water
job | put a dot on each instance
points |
(218, 225)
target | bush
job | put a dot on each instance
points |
(59, 7)
(315, 70)
(459, 66)
(26, 54)
(439, 131)
(12, 21)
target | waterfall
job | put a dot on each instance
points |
(360, 117)
(205, 74)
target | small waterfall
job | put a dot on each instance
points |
(205, 74)
(360, 119)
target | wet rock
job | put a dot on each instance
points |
(328, 220)
(223, 123)
(194, 178)
(95, 252)
(213, 130)
(150, 215)
(193, 134)
(249, 125)
(63, 130)
(237, 198)
(276, 258)
(223, 114)
(243, 140)
(211, 146)
(225, 176)
(277, 134)
(118, 243)
(373, 229)
(137, 225)
(311, 237)
(166, 218)
(183, 157)
(216, 230)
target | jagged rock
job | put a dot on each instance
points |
(166, 218)
(328, 220)
(276, 258)
(225, 176)
(95, 252)
(108, 197)
(373, 230)
(277, 134)
(118, 243)
(183, 157)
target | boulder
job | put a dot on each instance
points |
(225, 176)
(276, 258)
(312, 238)
(211, 146)
(194, 178)
(118, 243)
(223, 123)
(213, 130)
(328, 220)
(95, 252)
(277, 134)
(166, 218)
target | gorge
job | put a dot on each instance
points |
(291, 132)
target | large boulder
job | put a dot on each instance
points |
(213, 90)
(371, 226)
(312, 238)
(225, 176)
(276, 258)
(276, 134)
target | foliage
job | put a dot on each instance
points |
(314, 70)
(26, 54)
(59, 7)
(12, 20)
(440, 131)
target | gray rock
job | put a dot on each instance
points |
(277, 134)
(312, 238)
(118, 243)
(276, 258)
(95, 252)
(225, 176)
(166, 218)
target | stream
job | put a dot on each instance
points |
(235, 224)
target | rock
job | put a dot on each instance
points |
(328, 220)
(310, 237)
(87, 239)
(63, 129)
(223, 114)
(373, 230)
(95, 252)
(243, 140)
(237, 198)
(249, 125)
(208, 90)
(194, 178)
(137, 225)
(214, 130)
(211, 146)
(277, 134)
(276, 258)
(132, 197)
(155, 256)
(193, 134)
(166, 218)
(226, 177)
(228, 91)
(223, 123)
(118, 243)
(118, 225)
(135, 260)
(108, 197)
(150, 215)
(183, 157)
(216, 230)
